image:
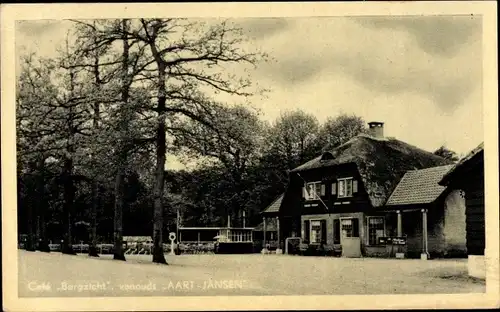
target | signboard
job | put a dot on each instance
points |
(399, 240)
(392, 240)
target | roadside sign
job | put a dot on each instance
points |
(392, 240)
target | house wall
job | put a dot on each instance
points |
(329, 223)
(440, 223)
(436, 242)
(445, 228)
(475, 220)
(454, 224)
(358, 202)
(445, 231)
(470, 179)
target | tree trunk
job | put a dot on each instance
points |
(30, 239)
(41, 208)
(93, 220)
(118, 253)
(161, 150)
(95, 185)
(69, 194)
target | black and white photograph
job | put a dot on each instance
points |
(166, 155)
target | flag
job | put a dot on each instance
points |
(308, 193)
(313, 191)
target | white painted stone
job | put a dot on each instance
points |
(400, 255)
(279, 251)
(424, 256)
(476, 266)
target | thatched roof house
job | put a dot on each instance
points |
(381, 163)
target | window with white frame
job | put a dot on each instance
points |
(345, 187)
(350, 227)
(316, 231)
(376, 229)
(313, 190)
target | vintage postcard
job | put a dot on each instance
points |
(249, 156)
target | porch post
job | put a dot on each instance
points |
(198, 237)
(278, 249)
(425, 249)
(400, 224)
(265, 233)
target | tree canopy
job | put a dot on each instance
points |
(96, 122)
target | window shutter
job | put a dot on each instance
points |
(336, 231)
(304, 192)
(323, 231)
(334, 188)
(323, 190)
(355, 227)
(307, 230)
(348, 188)
(354, 186)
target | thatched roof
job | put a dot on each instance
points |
(381, 163)
(462, 163)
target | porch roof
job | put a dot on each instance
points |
(271, 226)
(274, 207)
(419, 186)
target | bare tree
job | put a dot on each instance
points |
(186, 57)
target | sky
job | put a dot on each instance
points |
(421, 76)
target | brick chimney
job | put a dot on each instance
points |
(376, 129)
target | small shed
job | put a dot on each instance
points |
(468, 175)
(271, 232)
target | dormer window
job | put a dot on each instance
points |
(326, 156)
(313, 190)
(346, 187)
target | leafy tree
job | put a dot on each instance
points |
(110, 102)
(446, 153)
(52, 117)
(235, 143)
(122, 128)
(292, 139)
(338, 130)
